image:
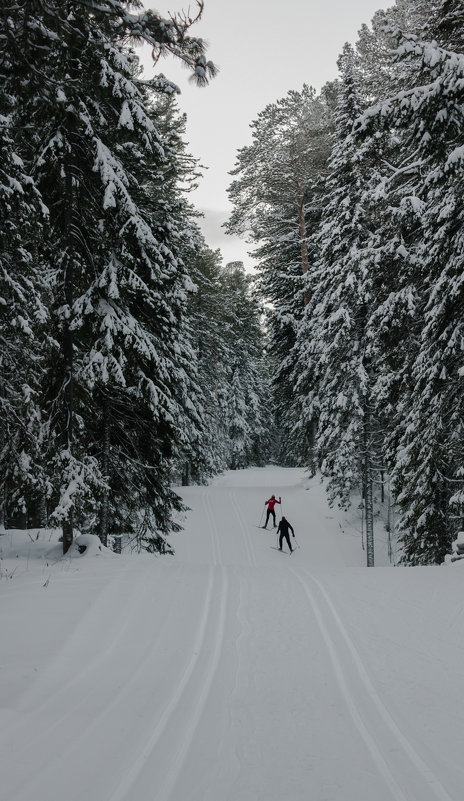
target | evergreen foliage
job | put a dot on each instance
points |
(277, 202)
(131, 357)
(374, 349)
(104, 164)
(333, 363)
(23, 315)
(429, 119)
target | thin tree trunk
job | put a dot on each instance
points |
(186, 475)
(312, 449)
(67, 532)
(42, 511)
(104, 509)
(3, 515)
(368, 491)
(2, 504)
(68, 343)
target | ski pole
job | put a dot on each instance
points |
(262, 515)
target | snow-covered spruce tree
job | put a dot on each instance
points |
(135, 343)
(245, 395)
(428, 117)
(335, 367)
(445, 24)
(117, 282)
(23, 291)
(277, 204)
(376, 71)
(196, 450)
(390, 194)
(213, 353)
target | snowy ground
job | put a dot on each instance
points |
(230, 672)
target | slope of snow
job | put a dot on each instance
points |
(230, 672)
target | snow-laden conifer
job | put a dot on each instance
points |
(23, 312)
(335, 373)
(119, 286)
(245, 390)
(277, 203)
(428, 119)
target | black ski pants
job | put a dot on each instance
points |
(269, 513)
(281, 539)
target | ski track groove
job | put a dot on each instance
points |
(367, 731)
(125, 621)
(137, 767)
(243, 529)
(85, 734)
(217, 559)
(406, 775)
(188, 733)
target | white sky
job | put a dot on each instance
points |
(263, 49)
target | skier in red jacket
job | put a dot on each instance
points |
(270, 509)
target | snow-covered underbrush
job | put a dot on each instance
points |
(34, 549)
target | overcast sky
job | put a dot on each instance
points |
(263, 49)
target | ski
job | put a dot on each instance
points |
(287, 553)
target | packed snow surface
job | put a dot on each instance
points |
(230, 672)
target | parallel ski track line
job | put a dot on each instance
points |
(243, 529)
(86, 734)
(135, 770)
(370, 738)
(124, 622)
(212, 529)
(166, 791)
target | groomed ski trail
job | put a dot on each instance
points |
(391, 751)
(221, 673)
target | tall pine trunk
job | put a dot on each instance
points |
(104, 509)
(42, 510)
(312, 462)
(368, 484)
(186, 475)
(68, 341)
(2, 482)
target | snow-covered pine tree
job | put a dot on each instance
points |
(129, 323)
(377, 71)
(277, 203)
(213, 352)
(428, 119)
(445, 24)
(91, 129)
(335, 367)
(195, 457)
(23, 294)
(246, 405)
(391, 195)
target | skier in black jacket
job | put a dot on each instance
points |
(283, 528)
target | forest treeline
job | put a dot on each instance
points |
(353, 198)
(132, 359)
